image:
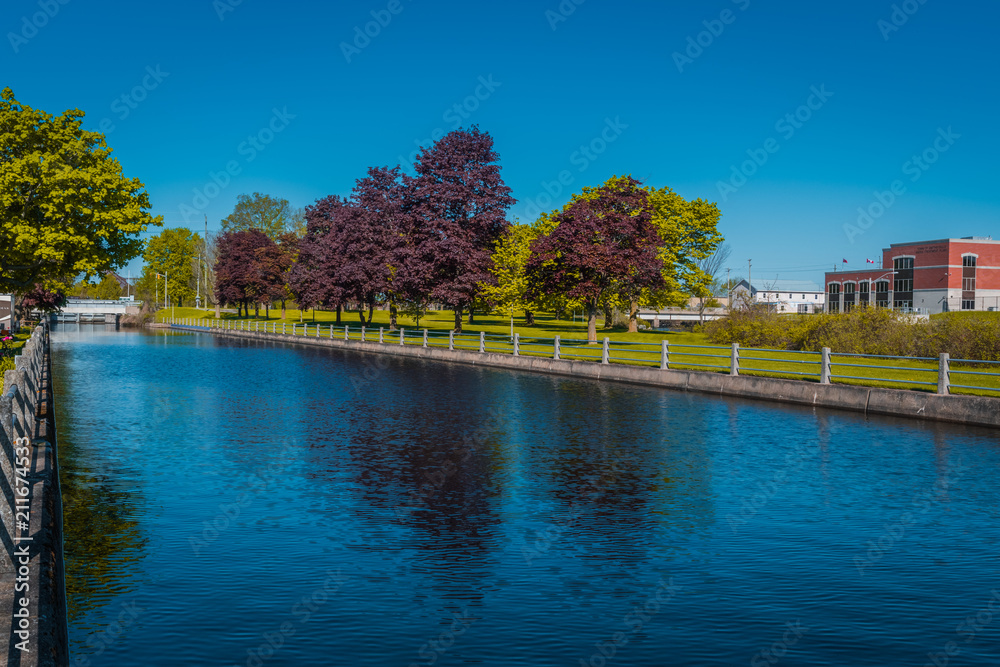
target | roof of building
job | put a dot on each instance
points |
(964, 239)
(784, 286)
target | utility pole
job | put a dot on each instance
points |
(729, 285)
(204, 257)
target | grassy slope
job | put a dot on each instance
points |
(643, 348)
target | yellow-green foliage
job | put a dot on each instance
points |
(863, 331)
(66, 208)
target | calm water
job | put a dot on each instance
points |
(240, 504)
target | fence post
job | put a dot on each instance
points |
(606, 351)
(451, 340)
(425, 337)
(517, 344)
(944, 375)
(319, 327)
(402, 336)
(824, 370)
(555, 348)
(362, 334)
(734, 361)
(665, 355)
(283, 329)
(381, 334)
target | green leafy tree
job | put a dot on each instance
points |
(171, 254)
(66, 208)
(109, 288)
(271, 215)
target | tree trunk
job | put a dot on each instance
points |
(633, 317)
(218, 311)
(592, 322)
(371, 312)
(267, 310)
(609, 316)
(256, 309)
(282, 309)
(471, 316)
(529, 318)
(393, 314)
(458, 318)
(338, 313)
(361, 314)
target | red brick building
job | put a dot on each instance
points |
(925, 277)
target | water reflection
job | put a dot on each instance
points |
(232, 478)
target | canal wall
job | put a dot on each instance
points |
(971, 410)
(32, 576)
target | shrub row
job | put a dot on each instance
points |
(863, 331)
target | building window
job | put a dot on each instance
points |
(882, 286)
(803, 308)
(849, 288)
(903, 285)
(834, 288)
(903, 305)
(881, 304)
(863, 287)
(834, 306)
(968, 284)
(902, 263)
(848, 306)
(969, 260)
(969, 304)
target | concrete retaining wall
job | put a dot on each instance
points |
(972, 410)
(32, 579)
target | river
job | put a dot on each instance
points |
(235, 503)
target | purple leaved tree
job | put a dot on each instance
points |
(603, 244)
(459, 203)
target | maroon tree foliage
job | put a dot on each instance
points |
(42, 300)
(460, 205)
(603, 245)
(315, 279)
(239, 278)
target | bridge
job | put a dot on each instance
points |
(96, 311)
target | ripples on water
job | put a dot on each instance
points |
(224, 498)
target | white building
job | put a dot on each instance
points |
(784, 296)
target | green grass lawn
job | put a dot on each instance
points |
(688, 351)
(7, 362)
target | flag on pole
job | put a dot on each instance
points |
(845, 261)
(870, 261)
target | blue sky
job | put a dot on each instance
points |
(591, 89)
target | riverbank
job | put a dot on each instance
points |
(32, 593)
(960, 409)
